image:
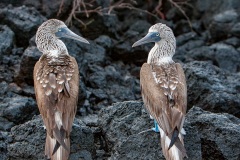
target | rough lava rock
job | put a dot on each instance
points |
(187, 42)
(3, 145)
(212, 89)
(224, 54)
(220, 16)
(5, 125)
(27, 141)
(7, 57)
(122, 48)
(105, 24)
(23, 21)
(50, 8)
(221, 55)
(104, 41)
(127, 129)
(19, 109)
(223, 23)
(6, 40)
(28, 60)
(219, 133)
(47, 8)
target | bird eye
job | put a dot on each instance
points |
(157, 34)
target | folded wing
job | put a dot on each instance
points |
(164, 94)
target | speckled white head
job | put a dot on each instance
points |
(48, 34)
(165, 43)
(164, 31)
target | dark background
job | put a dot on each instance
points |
(208, 47)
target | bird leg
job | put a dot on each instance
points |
(156, 127)
(76, 125)
(183, 131)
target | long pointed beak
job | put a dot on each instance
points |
(67, 33)
(147, 39)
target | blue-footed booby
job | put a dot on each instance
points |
(56, 83)
(164, 90)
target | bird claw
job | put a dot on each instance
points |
(183, 131)
(76, 125)
(155, 129)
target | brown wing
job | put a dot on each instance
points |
(165, 95)
(56, 87)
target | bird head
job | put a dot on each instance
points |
(155, 34)
(60, 30)
(50, 31)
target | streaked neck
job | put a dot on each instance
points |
(162, 53)
(48, 43)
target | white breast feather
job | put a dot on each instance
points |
(155, 77)
(165, 60)
(54, 53)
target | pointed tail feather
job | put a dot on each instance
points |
(174, 137)
(59, 136)
(177, 150)
(54, 150)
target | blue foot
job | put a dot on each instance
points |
(155, 129)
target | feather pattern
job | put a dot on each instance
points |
(165, 96)
(164, 92)
(57, 102)
(56, 83)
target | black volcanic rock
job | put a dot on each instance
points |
(19, 109)
(105, 24)
(222, 55)
(47, 8)
(224, 24)
(5, 125)
(104, 41)
(219, 17)
(27, 141)
(219, 133)
(127, 129)
(236, 29)
(122, 49)
(3, 90)
(23, 21)
(6, 40)
(50, 8)
(28, 60)
(3, 145)
(233, 41)
(187, 42)
(109, 84)
(212, 89)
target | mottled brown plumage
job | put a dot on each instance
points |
(164, 90)
(56, 83)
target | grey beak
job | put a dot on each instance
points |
(67, 33)
(146, 39)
